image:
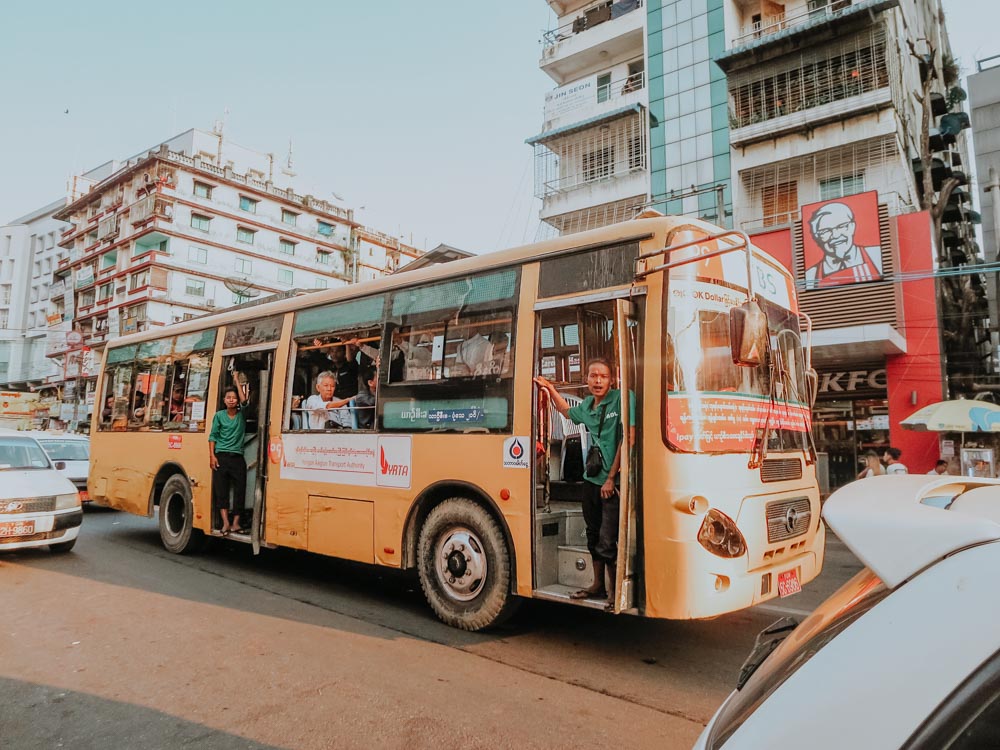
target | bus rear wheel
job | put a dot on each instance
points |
(464, 565)
(177, 530)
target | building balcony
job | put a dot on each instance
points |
(761, 35)
(602, 32)
(579, 192)
(153, 206)
(749, 128)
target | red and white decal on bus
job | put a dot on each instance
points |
(360, 460)
(712, 423)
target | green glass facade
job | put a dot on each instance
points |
(688, 104)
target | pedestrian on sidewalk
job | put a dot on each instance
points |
(892, 463)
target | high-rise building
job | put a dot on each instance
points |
(188, 227)
(591, 156)
(984, 106)
(797, 123)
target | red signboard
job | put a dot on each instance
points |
(841, 241)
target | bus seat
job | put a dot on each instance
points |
(349, 415)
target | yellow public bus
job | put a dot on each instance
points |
(454, 465)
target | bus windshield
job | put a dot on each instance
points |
(713, 405)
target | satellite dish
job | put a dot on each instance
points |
(241, 285)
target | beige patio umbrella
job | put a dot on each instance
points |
(960, 415)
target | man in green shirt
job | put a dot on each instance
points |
(225, 456)
(601, 413)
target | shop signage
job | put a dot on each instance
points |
(852, 382)
(841, 241)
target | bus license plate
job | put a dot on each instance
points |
(17, 528)
(788, 582)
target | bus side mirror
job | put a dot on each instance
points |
(748, 334)
(60, 465)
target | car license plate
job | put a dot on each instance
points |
(16, 528)
(788, 582)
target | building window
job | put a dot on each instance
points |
(285, 275)
(109, 260)
(838, 187)
(4, 318)
(105, 291)
(603, 87)
(202, 190)
(197, 254)
(248, 204)
(323, 257)
(781, 203)
(287, 247)
(321, 284)
(138, 280)
(244, 266)
(324, 228)
(599, 163)
(288, 217)
(636, 153)
(194, 287)
(200, 222)
(87, 298)
(245, 235)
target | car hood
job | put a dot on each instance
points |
(15, 483)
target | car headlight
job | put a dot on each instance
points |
(65, 502)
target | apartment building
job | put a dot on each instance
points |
(591, 157)
(192, 226)
(984, 106)
(29, 254)
(793, 122)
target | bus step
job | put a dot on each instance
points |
(575, 568)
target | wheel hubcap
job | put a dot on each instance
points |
(460, 564)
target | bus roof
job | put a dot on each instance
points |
(629, 231)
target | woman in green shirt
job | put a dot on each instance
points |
(229, 468)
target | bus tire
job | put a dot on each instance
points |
(59, 547)
(464, 565)
(177, 530)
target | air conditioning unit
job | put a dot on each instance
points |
(210, 303)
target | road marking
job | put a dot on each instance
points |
(775, 609)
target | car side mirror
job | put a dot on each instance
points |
(748, 335)
(60, 465)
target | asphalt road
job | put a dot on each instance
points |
(119, 644)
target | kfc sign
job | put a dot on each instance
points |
(841, 241)
(853, 382)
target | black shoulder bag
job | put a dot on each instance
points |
(595, 461)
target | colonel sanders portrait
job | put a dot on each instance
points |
(844, 261)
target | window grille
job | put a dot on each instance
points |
(601, 152)
(856, 65)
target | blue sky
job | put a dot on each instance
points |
(416, 111)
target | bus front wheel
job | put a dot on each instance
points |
(177, 518)
(464, 565)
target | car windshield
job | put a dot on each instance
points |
(67, 450)
(17, 453)
(832, 617)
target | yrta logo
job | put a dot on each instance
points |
(515, 456)
(394, 462)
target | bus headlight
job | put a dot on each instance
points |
(65, 502)
(719, 535)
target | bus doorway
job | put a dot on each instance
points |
(568, 337)
(255, 370)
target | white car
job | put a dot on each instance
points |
(71, 450)
(907, 653)
(38, 506)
